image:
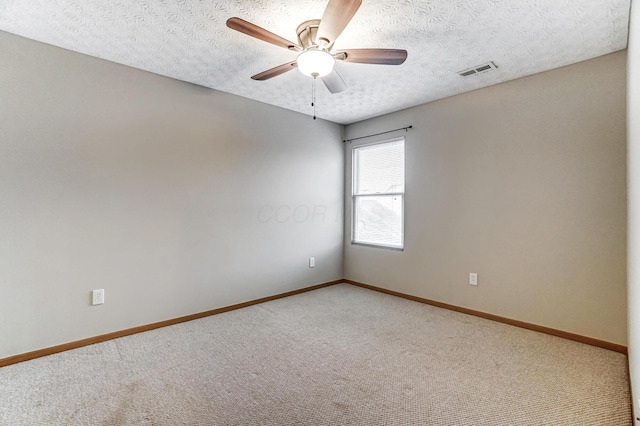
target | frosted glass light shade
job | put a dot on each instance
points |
(315, 63)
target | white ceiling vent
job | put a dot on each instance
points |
(478, 69)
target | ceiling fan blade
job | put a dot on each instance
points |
(372, 56)
(334, 82)
(335, 18)
(274, 72)
(260, 33)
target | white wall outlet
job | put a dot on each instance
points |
(312, 262)
(97, 297)
(473, 279)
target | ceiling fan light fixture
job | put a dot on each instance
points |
(315, 63)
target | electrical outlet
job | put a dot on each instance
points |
(312, 262)
(473, 279)
(98, 297)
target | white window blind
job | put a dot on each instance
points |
(378, 194)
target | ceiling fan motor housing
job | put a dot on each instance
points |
(307, 33)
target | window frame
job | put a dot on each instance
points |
(355, 196)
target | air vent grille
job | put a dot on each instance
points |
(478, 69)
(466, 73)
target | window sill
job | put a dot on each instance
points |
(355, 243)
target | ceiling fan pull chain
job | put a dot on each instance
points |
(313, 96)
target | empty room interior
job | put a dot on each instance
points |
(327, 212)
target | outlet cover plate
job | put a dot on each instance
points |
(97, 297)
(473, 279)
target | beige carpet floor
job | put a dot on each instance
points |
(341, 355)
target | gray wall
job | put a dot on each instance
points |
(633, 141)
(522, 183)
(173, 198)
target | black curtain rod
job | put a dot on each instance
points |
(377, 134)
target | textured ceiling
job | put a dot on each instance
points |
(188, 40)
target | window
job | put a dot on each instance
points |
(378, 194)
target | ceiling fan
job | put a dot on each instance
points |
(315, 41)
